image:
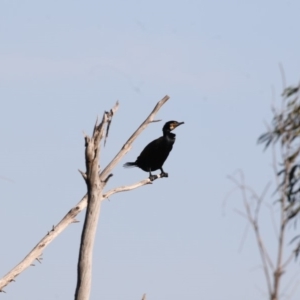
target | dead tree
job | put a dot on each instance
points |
(100, 179)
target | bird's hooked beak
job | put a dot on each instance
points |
(174, 125)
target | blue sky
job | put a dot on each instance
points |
(62, 63)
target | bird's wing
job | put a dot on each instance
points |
(152, 147)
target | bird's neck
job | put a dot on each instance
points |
(169, 135)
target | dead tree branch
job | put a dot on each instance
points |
(37, 251)
(129, 187)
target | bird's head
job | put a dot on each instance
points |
(171, 125)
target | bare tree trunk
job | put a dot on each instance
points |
(87, 244)
(95, 187)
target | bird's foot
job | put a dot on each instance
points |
(164, 174)
(152, 177)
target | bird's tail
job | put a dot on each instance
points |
(129, 165)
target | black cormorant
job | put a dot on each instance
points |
(155, 153)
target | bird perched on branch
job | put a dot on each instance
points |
(155, 153)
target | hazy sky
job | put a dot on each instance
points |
(62, 63)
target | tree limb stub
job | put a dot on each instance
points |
(111, 113)
(69, 218)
